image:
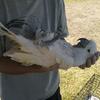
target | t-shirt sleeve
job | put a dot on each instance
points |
(62, 24)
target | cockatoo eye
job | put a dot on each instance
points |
(88, 50)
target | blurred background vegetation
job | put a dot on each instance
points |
(83, 19)
(68, 1)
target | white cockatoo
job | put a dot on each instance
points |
(47, 51)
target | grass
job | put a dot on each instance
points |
(83, 21)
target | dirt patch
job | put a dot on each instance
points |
(84, 20)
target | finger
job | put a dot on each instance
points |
(53, 67)
(90, 60)
(97, 54)
(82, 66)
(88, 63)
(41, 69)
(93, 59)
(56, 66)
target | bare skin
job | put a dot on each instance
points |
(8, 66)
(91, 60)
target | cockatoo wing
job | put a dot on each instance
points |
(27, 53)
(39, 57)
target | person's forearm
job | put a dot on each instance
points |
(9, 66)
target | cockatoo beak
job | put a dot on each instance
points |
(83, 42)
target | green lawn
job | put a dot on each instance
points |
(83, 21)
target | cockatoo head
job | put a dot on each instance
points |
(88, 45)
(91, 47)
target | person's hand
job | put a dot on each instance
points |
(91, 60)
(40, 69)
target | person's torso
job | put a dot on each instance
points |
(39, 14)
